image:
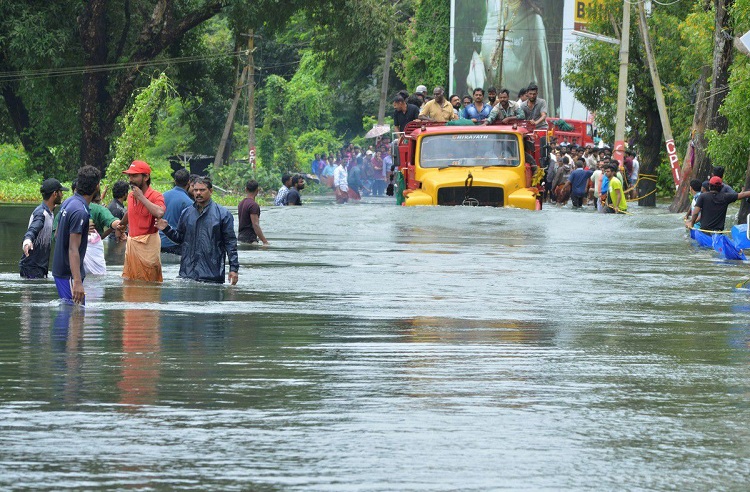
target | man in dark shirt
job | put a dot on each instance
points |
(718, 171)
(403, 113)
(711, 207)
(37, 241)
(298, 184)
(248, 213)
(119, 194)
(72, 238)
(578, 180)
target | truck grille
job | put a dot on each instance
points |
(477, 196)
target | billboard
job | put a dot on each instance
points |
(507, 43)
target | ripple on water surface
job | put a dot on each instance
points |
(385, 348)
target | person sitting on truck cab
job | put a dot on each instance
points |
(456, 103)
(466, 104)
(403, 113)
(439, 109)
(492, 96)
(504, 110)
(479, 111)
(521, 97)
(535, 108)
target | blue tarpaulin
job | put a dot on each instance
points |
(702, 238)
(739, 236)
(727, 248)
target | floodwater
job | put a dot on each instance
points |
(374, 347)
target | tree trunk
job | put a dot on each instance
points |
(93, 30)
(384, 81)
(681, 201)
(650, 156)
(19, 116)
(101, 106)
(744, 204)
(722, 61)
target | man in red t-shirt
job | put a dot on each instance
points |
(145, 206)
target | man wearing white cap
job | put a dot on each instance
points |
(421, 92)
(145, 205)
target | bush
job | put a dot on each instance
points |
(14, 163)
(26, 190)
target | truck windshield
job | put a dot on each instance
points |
(469, 149)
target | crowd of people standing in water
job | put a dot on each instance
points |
(183, 221)
(354, 172)
(186, 222)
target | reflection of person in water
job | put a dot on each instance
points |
(525, 56)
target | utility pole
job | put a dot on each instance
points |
(674, 161)
(251, 100)
(622, 85)
(500, 53)
(384, 82)
(230, 120)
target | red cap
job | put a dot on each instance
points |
(715, 181)
(138, 167)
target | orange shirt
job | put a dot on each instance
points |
(140, 220)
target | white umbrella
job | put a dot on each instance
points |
(378, 130)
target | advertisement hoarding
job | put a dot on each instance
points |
(512, 43)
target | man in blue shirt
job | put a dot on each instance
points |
(578, 179)
(72, 238)
(479, 111)
(176, 200)
(206, 231)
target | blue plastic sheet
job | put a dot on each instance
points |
(726, 248)
(702, 238)
(739, 236)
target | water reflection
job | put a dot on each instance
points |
(363, 357)
(454, 330)
(141, 344)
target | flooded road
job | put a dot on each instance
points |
(374, 347)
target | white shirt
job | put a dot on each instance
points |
(93, 262)
(340, 178)
(636, 168)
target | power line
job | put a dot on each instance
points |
(79, 70)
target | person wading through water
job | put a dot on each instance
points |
(145, 206)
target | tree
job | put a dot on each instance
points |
(730, 148)
(592, 76)
(427, 44)
(98, 51)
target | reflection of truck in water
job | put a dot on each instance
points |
(470, 165)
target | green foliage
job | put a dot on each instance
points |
(14, 163)
(25, 190)
(136, 135)
(171, 133)
(231, 177)
(732, 149)
(317, 142)
(427, 45)
(681, 30)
